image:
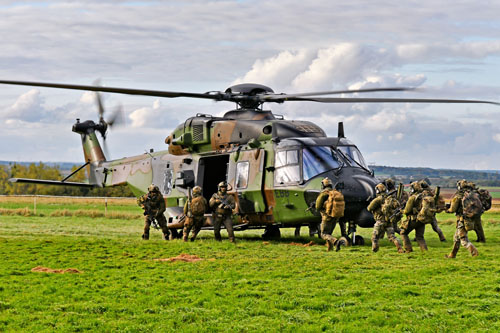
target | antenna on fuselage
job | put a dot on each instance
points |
(341, 130)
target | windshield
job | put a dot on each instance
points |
(354, 156)
(318, 159)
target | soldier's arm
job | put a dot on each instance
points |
(320, 201)
(374, 204)
(455, 204)
(409, 206)
(185, 208)
(213, 201)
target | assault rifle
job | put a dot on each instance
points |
(436, 195)
(148, 211)
(224, 202)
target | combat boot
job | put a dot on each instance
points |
(454, 251)
(330, 243)
(232, 240)
(375, 246)
(340, 242)
(166, 236)
(145, 236)
(185, 237)
(472, 249)
(399, 247)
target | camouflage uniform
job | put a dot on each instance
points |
(328, 222)
(464, 224)
(383, 222)
(391, 186)
(411, 210)
(194, 221)
(223, 214)
(156, 204)
(434, 224)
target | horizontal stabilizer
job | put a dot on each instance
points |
(49, 182)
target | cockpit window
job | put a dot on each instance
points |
(318, 159)
(354, 156)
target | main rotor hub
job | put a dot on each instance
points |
(245, 94)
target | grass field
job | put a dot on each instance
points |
(250, 286)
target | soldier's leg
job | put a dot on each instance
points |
(456, 246)
(217, 225)
(378, 229)
(188, 224)
(478, 228)
(437, 229)
(197, 225)
(464, 239)
(419, 233)
(406, 228)
(390, 235)
(147, 226)
(228, 223)
(326, 232)
(162, 222)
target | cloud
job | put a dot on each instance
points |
(28, 106)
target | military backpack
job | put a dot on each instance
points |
(198, 205)
(485, 198)
(389, 207)
(334, 204)
(471, 204)
(427, 210)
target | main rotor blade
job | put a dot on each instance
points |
(127, 91)
(387, 100)
(336, 92)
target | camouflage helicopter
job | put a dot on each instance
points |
(273, 166)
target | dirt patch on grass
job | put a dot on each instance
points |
(311, 243)
(183, 257)
(41, 269)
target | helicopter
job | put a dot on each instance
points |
(273, 166)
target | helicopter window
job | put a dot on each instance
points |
(242, 174)
(167, 183)
(318, 159)
(287, 166)
(354, 156)
(287, 174)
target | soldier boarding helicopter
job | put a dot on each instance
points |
(273, 166)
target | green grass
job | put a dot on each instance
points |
(250, 286)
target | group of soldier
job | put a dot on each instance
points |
(388, 207)
(221, 203)
(420, 208)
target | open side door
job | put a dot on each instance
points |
(246, 176)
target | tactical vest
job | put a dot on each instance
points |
(471, 204)
(198, 206)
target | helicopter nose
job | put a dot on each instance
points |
(359, 190)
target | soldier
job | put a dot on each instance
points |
(222, 205)
(391, 188)
(411, 223)
(330, 203)
(194, 209)
(485, 198)
(384, 209)
(426, 190)
(467, 207)
(154, 206)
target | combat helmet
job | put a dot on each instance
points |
(415, 187)
(390, 184)
(153, 188)
(461, 184)
(423, 184)
(222, 184)
(326, 182)
(380, 188)
(196, 190)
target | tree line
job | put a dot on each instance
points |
(44, 171)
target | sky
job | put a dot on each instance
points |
(447, 49)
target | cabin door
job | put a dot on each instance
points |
(246, 177)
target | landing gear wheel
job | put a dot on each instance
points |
(271, 232)
(358, 240)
